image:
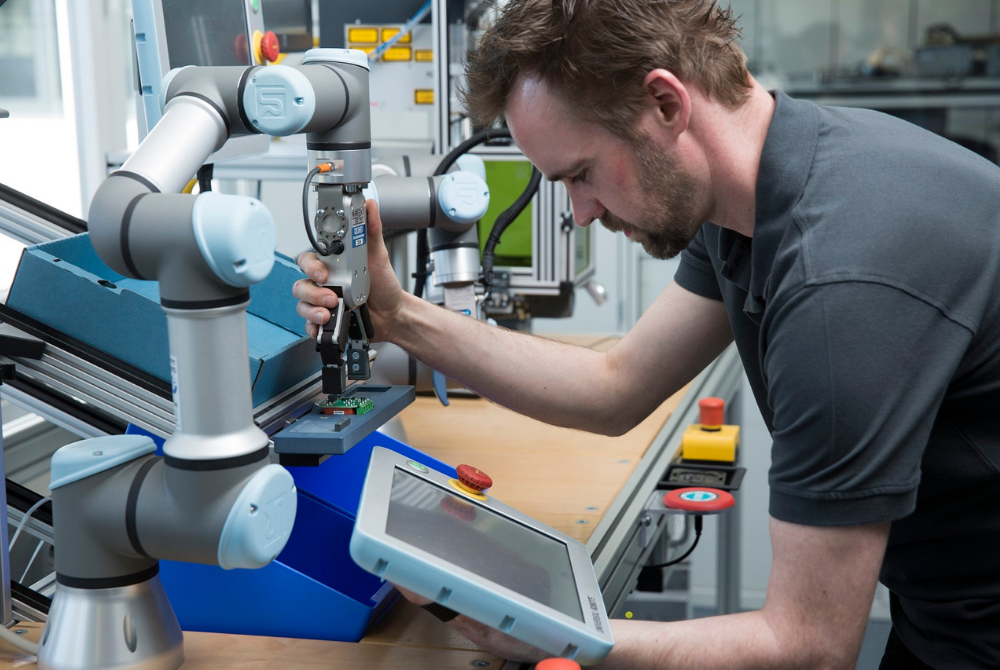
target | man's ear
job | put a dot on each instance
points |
(669, 99)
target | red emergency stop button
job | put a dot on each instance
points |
(557, 664)
(699, 500)
(269, 47)
(473, 479)
(712, 412)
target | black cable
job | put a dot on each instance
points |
(463, 148)
(697, 536)
(503, 222)
(322, 251)
(205, 174)
(423, 252)
(423, 246)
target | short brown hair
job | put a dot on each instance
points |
(596, 53)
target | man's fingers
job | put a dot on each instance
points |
(306, 290)
(377, 250)
(310, 263)
(312, 313)
(374, 219)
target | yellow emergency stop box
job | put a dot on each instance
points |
(717, 444)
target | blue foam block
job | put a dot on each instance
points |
(66, 286)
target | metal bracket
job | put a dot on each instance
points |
(332, 347)
(345, 348)
(654, 507)
(14, 346)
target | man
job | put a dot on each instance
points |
(854, 259)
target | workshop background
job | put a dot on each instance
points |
(71, 102)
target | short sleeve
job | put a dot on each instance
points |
(856, 373)
(695, 272)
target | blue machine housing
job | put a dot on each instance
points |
(122, 317)
(313, 589)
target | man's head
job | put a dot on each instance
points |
(596, 93)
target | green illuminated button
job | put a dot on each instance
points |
(256, 5)
(417, 466)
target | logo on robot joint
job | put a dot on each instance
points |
(468, 195)
(277, 515)
(271, 101)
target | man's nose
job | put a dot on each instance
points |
(585, 210)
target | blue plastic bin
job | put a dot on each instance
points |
(313, 589)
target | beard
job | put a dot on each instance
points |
(669, 220)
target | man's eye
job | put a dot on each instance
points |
(580, 177)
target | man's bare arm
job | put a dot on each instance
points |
(567, 385)
(557, 383)
(818, 600)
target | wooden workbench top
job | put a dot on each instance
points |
(523, 456)
(520, 454)
(425, 644)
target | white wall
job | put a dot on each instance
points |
(38, 154)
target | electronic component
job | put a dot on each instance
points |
(353, 405)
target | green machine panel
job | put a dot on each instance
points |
(507, 180)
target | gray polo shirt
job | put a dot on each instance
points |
(866, 309)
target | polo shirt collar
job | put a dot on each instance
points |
(784, 170)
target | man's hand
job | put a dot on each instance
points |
(486, 638)
(384, 302)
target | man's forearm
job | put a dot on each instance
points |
(550, 381)
(743, 640)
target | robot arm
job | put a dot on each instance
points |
(119, 507)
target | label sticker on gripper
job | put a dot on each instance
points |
(359, 235)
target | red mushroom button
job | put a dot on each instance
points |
(712, 412)
(269, 47)
(473, 479)
(557, 664)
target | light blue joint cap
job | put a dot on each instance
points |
(464, 197)
(236, 237)
(279, 100)
(472, 163)
(90, 457)
(261, 520)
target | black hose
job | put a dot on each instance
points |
(697, 536)
(503, 222)
(205, 174)
(322, 251)
(423, 252)
(423, 246)
(463, 148)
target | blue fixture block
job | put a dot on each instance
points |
(316, 433)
